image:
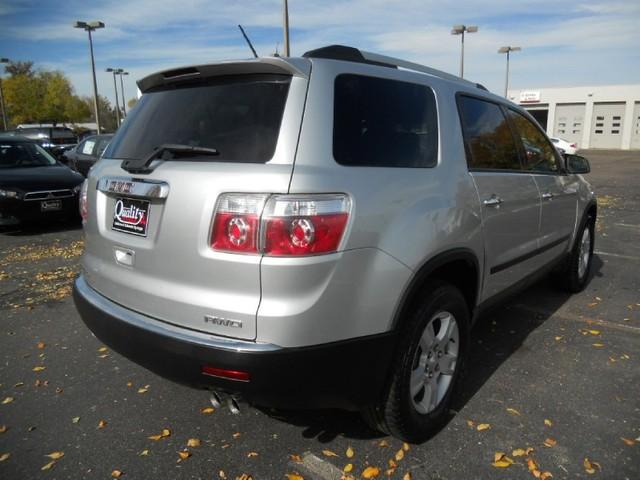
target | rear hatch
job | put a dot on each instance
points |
(196, 132)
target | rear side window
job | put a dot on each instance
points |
(384, 123)
(239, 116)
(488, 138)
(539, 153)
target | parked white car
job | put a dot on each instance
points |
(565, 147)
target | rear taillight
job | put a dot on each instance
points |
(286, 225)
(236, 223)
(304, 224)
(82, 201)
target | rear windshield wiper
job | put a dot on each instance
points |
(141, 165)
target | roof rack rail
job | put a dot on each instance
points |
(351, 54)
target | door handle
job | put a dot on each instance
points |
(494, 201)
(547, 196)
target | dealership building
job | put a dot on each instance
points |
(593, 117)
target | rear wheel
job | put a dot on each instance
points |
(432, 350)
(575, 275)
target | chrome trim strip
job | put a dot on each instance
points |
(165, 329)
(133, 187)
(66, 193)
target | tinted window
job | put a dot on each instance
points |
(487, 135)
(239, 116)
(23, 154)
(384, 123)
(540, 155)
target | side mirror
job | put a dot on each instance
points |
(577, 164)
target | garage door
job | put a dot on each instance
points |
(606, 129)
(635, 128)
(569, 123)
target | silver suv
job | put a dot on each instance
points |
(323, 231)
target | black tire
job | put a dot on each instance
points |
(397, 414)
(570, 277)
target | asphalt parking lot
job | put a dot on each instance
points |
(550, 372)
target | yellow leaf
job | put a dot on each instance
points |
(102, 424)
(329, 453)
(116, 474)
(184, 454)
(207, 410)
(593, 304)
(513, 411)
(38, 369)
(193, 442)
(371, 472)
(103, 349)
(296, 458)
(399, 455)
(144, 453)
(528, 450)
(545, 475)
(155, 438)
(49, 465)
(405, 446)
(348, 467)
(598, 345)
(21, 384)
(590, 467)
(349, 452)
(471, 423)
(223, 476)
(4, 456)
(518, 452)
(497, 456)
(389, 472)
(55, 455)
(166, 432)
(75, 419)
(3, 428)
(558, 338)
(41, 345)
(532, 465)
(383, 443)
(129, 384)
(407, 476)
(549, 442)
(625, 440)
(290, 476)
(547, 422)
(392, 463)
(252, 454)
(483, 426)
(500, 460)
(237, 435)
(143, 390)
(501, 463)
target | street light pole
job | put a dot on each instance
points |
(460, 30)
(507, 50)
(91, 27)
(4, 111)
(285, 21)
(124, 108)
(114, 71)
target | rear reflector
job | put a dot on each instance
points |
(223, 373)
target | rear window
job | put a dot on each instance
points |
(384, 123)
(239, 116)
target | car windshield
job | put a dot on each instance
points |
(23, 154)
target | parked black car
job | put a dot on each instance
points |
(86, 153)
(56, 140)
(33, 184)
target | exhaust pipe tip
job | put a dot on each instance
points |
(215, 400)
(233, 405)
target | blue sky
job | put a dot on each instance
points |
(565, 43)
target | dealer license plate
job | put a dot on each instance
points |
(131, 216)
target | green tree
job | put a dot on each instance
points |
(19, 68)
(132, 102)
(107, 113)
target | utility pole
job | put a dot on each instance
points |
(114, 71)
(2, 106)
(124, 108)
(507, 50)
(90, 27)
(285, 21)
(460, 30)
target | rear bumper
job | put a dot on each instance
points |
(347, 374)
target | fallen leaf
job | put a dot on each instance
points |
(103, 349)
(19, 384)
(252, 454)
(166, 432)
(405, 446)
(4, 457)
(407, 476)
(625, 440)
(38, 368)
(155, 438)
(548, 422)
(532, 465)
(349, 452)
(193, 442)
(389, 472)
(518, 452)
(371, 472)
(237, 435)
(75, 419)
(244, 476)
(392, 463)
(558, 338)
(598, 345)
(55, 455)
(483, 426)
(545, 475)
(528, 450)
(49, 465)
(129, 384)
(513, 411)
(103, 356)
(3, 428)
(41, 345)
(102, 424)
(471, 423)
(290, 476)
(593, 304)
(590, 467)
(144, 453)
(500, 460)
(383, 443)
(222, 475)
(31, 429)
(549, 442)
(296, 458)
(329, 453)
(348, 467)
(144, 389)
(207, 410)
(399, 455)
(184, 455)
(116, 474)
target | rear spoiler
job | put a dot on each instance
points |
(297, 67)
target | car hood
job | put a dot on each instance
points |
(33, 179)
